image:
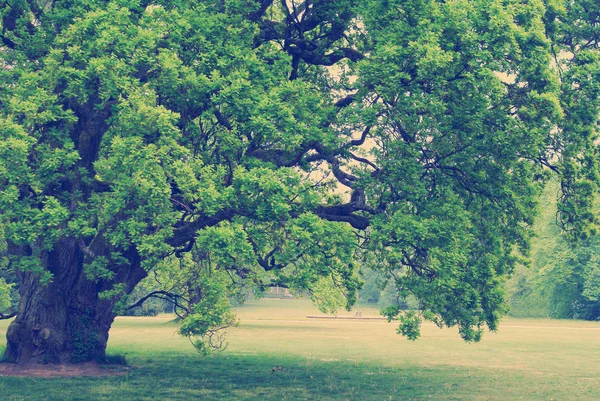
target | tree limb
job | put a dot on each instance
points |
(315, 58)
(345, 101)
(161, 294)
(263, 5)
(223, 120)
(361, 140)
(344, 213)
(7, 316)
(185, 233)
(363, 160)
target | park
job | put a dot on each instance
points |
(420, 179)
(528, 359)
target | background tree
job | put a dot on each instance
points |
(134, 131)
(564, 278)
(575, 37)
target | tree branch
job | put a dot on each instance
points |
(7, 316)
(263, 5)
(363, 160)
(267, 262)
(361, 140)
(185, 233)
(161, 294)
(315, 58)
(345, 101)
(100, 186)
(344, 213)
(223, 120)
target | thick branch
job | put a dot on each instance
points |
(8, 43)
(187, 232)
(7, 316)
(100, 186)
(345, 101)
(344, 213)
(361, 140)
(223, 120)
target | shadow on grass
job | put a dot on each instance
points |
(165, 376)
(115, 359)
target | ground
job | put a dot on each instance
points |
(336, 360)
(45, 371)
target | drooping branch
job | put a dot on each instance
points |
(160, 294)
(7, 42)
(343, 178)
(544, 162)
(281, 158)
(186, 233)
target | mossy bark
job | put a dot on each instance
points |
(65, 320)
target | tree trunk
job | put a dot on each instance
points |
(64, 321)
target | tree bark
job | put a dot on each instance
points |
(64, 321)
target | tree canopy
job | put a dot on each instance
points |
(284, 142)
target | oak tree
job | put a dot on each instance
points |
(278, 141)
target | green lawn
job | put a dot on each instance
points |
(337, 360)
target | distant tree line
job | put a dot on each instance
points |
(562, 279)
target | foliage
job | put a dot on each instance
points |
(5, 298)
(210, 315)
(573, 31)
(561, 281)
(372, 286)
(8, 292)
(379, 287)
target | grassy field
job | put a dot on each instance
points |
(336, 360)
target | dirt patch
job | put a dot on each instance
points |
(62, 370)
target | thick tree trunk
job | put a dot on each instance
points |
(64, 321)
(55, 328)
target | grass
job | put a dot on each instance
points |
(337, 360)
